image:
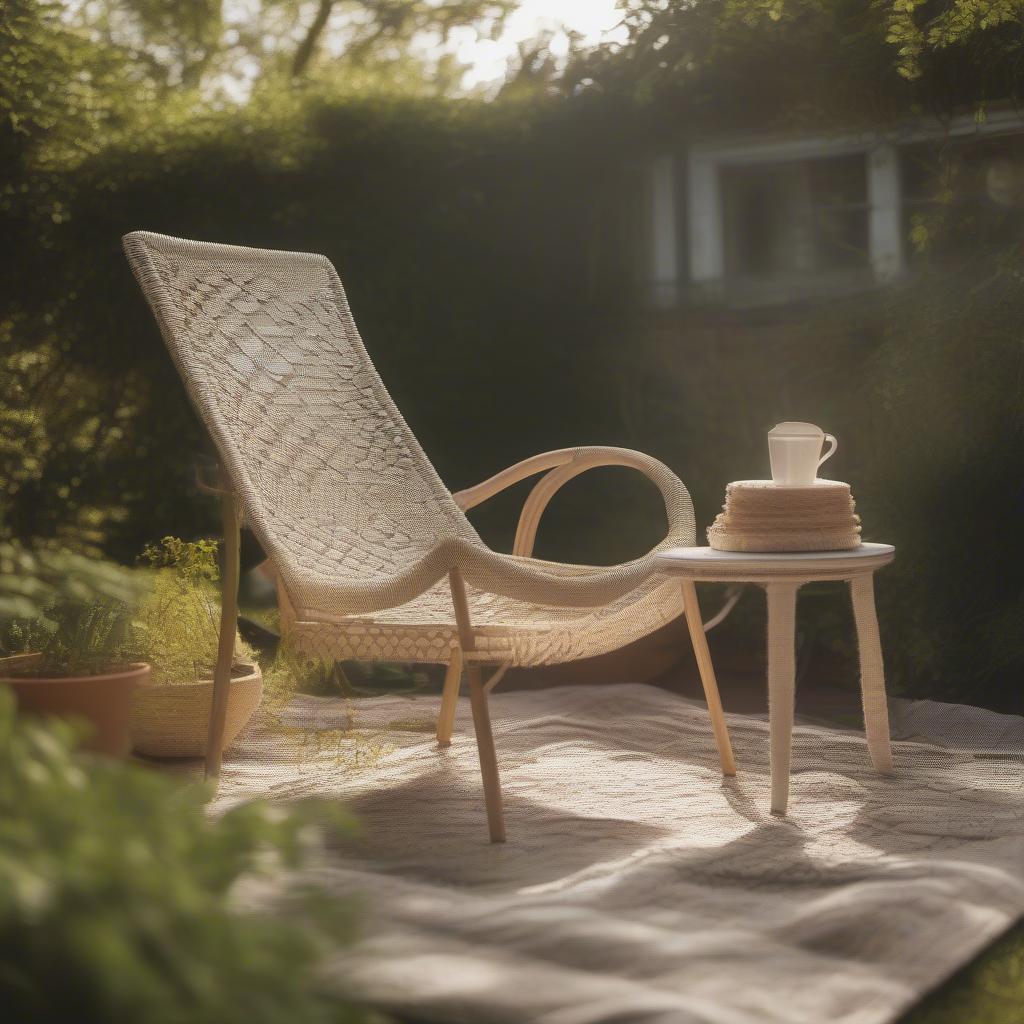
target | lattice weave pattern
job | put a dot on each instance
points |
(359, 527)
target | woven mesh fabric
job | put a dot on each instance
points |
(359, 527)
(505, 630)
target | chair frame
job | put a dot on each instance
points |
(239, 323)
(558, 467)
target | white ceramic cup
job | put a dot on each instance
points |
(795, 452)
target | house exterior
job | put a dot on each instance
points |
(756, 221)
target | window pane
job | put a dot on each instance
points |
(805, 220)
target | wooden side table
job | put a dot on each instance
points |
(782, 575)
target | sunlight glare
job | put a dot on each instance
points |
(596, 21)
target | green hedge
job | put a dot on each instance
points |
(461, 233)
(482, 252)
(922, 386)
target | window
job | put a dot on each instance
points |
(789, 224)
(776, 221)
(771, 220)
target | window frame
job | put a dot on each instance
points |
(706, 163)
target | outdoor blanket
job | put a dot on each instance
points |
(639, 885)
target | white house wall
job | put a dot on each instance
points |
(665, 276)
(885, 220)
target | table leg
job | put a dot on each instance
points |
(781, 685)
(872, 673)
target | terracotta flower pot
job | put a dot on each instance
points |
(104, 701)
(173, 719)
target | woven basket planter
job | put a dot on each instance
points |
(173, 719)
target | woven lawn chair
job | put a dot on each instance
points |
(375, 559)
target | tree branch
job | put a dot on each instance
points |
(307, 47)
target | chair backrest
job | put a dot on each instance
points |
(331, 479)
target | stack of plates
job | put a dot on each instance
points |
(758, 515)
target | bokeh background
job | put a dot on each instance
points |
(482, 179)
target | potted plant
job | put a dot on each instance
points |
(177, 621)
(80, 660)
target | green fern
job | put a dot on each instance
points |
(77, 638)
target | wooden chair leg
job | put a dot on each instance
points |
(488, 757)
(707, 677)
(872, 673)
(228, 629)
(449, 698)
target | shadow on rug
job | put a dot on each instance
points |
(637, 884)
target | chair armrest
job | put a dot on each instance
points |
(522, 578)
(473, 496)
(564, 464)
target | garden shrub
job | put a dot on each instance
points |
(461, 232)
(940, 434)
(177, 616)
(117, 896)
(921, 385)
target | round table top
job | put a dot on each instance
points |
(707, 563)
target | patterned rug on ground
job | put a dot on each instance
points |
(636, 883)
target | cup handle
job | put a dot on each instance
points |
(832, 450)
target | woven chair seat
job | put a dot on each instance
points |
(506, 630)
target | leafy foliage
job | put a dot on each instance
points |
(79, 638)
(919, 28)
(721, 63)
(192, 561)
(168, 617)
(33, 581)
(941, 428)
(991, 989)
(116, 435)
(214, 49)
(177, 619)
(118, 878)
